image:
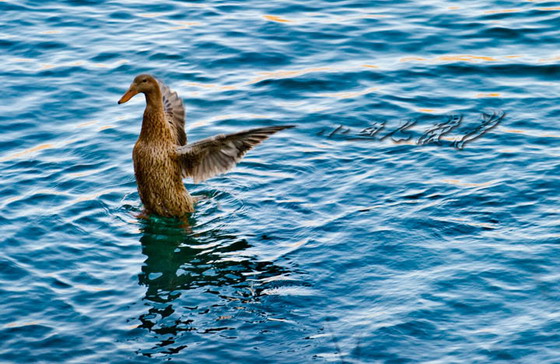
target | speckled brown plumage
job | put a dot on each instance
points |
(162, 157)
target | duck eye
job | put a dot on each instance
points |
(145, 80)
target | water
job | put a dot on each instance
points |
(326, 244)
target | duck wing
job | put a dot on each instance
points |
(174, 112)
(218, 154)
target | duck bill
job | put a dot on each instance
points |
(127, 96)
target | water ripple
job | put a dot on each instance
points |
(330, 242)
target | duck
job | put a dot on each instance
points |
(162, 157)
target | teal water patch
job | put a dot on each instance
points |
(359, 246)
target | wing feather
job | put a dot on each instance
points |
(218, 154)
(174, 112)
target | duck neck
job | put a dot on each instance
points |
(154, 125)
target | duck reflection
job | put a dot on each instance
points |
(196, 283)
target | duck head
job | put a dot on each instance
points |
(144, 83)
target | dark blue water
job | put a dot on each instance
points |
(412, 215)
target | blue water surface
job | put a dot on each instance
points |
(412, 215)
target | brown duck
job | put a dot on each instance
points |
(162, 157)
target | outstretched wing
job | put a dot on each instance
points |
(218, 154)
(174, 112)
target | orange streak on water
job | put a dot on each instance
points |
(451, 58)
(466, 57)
(527, 132)
(408, 59)
(275, 18)
(555, 8)
(87, 123)
(494, 94)
(21, 324)
(502, 11)
(27, 151)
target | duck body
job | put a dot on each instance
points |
(159, 179)
(162, 157)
